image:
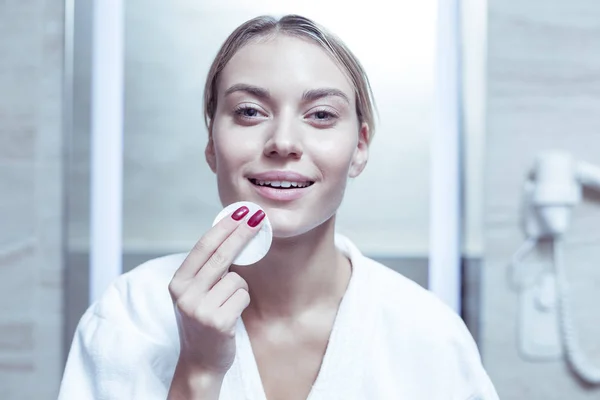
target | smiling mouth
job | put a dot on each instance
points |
(281, 184)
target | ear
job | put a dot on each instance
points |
(209, 151)
(361, 153)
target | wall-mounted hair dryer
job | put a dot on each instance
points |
(551, 191)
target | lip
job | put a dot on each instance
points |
(280, 176)
(280, 194)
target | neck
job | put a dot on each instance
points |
(298, 274)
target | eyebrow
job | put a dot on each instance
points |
(308, 95)
(316, 94)
(253, 90)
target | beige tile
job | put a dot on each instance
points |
(16, 336)
(17, 381)
(543, 93)
(48, 297)
(20, 92)
(20, 363)
(17, 283)
(31, 156)
(20, 21)
(48, 355)
(17, 142)
(49, 194)
(17, 202)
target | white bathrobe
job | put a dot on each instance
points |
(391, 339)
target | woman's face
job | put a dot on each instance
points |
(286, 114)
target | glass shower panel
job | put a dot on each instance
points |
(170, 194)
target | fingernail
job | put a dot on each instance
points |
(256, 218)
(240, 213)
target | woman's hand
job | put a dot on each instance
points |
(208, 300)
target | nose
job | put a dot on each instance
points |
(284, 141)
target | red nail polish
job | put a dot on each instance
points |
(256, 218)
(240, 213)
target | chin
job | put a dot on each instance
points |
(288, 230)
(285, 226)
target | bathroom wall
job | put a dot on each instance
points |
(31, 208)
(543, 93)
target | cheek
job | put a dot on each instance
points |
(231, 151)
(333, 155)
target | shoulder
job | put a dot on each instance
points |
(403, 302)
(140, 300)
(126, 342)
(401, 298)
(419, 326)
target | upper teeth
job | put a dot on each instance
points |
(284, 184)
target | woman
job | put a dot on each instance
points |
(290, 117)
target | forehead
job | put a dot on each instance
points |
(284, 65)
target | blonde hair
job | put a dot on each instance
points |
(298, 26)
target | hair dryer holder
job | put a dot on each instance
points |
(552, 189)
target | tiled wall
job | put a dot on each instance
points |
(543, 92)
(31, 160)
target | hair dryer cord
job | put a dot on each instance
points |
(576, 359)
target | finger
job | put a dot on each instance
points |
(232, 309)
(223, 257)
(210, 241)
(190, 302)
(224, 289)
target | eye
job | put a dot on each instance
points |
(248, 112)
(323, 117)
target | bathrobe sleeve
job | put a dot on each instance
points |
(111, 359)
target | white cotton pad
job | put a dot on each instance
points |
(259, 246)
